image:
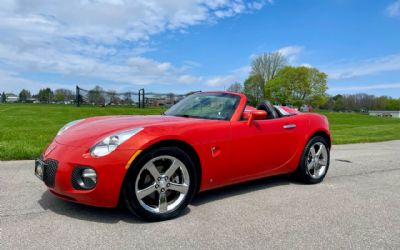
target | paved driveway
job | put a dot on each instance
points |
(357, 206)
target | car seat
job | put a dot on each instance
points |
(269, 108)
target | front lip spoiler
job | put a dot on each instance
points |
(64, 197)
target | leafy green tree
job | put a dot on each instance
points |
(254, 89)
(338, 103)
(61, 95)
(24, 95)
(267, 65)
(391, 104)
(361, 103)
(45, 95)
(298, 86)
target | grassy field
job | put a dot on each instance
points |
(25, 129)
(356, 127)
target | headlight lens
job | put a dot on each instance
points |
(68, 125)
(110, 143)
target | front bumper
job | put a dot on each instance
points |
(64, 159)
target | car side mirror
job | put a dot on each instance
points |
(256, 115)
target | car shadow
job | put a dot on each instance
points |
(242, 188)
(83, 212)
(114, 215)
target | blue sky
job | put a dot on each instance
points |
(179, 46)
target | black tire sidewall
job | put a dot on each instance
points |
(129, 195)
(302, 172)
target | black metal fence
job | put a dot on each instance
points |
(141, 99)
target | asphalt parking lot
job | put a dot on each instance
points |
(357, 207)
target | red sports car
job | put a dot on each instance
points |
(156, 164)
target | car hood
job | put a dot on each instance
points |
(91, 130)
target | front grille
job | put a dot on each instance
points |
(49, 175)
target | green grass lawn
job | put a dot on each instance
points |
(356, 127)
(25, 129)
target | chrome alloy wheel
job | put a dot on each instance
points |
(317, 160)
(162, 184)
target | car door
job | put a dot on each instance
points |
(263, 147)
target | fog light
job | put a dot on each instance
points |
(39, 171)
(84, 178)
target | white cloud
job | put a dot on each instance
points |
(103, 39)
(367, 87)
(291, 52)
(237, 75)
(12, 80)
(365, 67)
(189, 79)
(393, 9)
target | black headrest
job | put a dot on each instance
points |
(267, 106)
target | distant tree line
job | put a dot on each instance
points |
(95, 96)
(99, 96)
(361, 103)
(45, 95)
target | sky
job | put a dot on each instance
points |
(185, 45)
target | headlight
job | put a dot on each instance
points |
(68, 125)
(110, 143)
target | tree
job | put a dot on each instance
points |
(362, 102)
(254, 89)
(45, 95)
(24, 95)
(235, 87)
(298, 86)
(3, 98)
(267, 65)
(128, 98)
(96, 96)
(338, 104)
(392, 104)
(61, 95)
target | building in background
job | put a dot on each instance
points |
(10, 97)
(384, 113)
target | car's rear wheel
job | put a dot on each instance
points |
(161, 184)
(314, 161)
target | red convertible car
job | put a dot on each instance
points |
(156, 164)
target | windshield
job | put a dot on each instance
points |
(217, 106)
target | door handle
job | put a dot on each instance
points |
(289, 126)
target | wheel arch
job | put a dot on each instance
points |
(324, 135)
(186, 147)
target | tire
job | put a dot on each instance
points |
(313, 167)
(151, 194)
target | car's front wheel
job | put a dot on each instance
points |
(314, 161)
(161, 184)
